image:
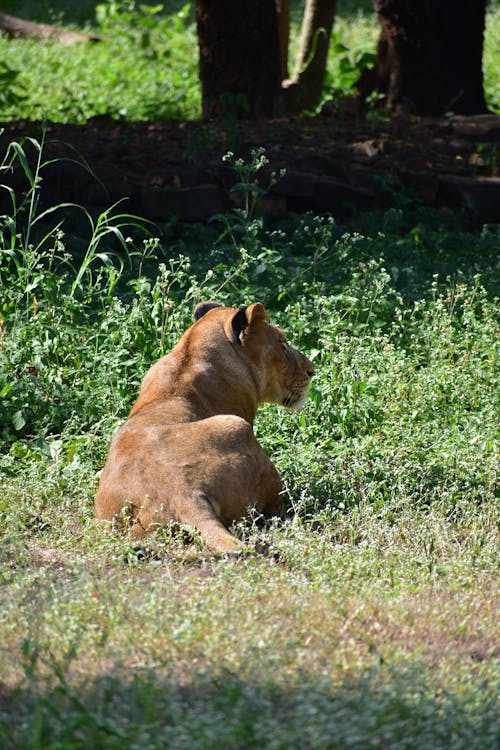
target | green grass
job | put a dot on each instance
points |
(146, 66)
(491, 51)
(373, 620)
(343, 644)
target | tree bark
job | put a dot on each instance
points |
(303, 90)
(283, 10)
(429, 55)
(240, 59)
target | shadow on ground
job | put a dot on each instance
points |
(380, 709)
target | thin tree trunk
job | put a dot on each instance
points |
(303, 91)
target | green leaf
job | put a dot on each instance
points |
(18, 420)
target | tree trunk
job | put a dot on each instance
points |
(240, 59)
(283, 9)
(429, 55)
(303, 90)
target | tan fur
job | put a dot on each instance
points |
(187, 452)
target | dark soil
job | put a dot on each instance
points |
(334, 162)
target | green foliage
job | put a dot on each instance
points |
(36, 276)
(371, 623)
(490, 62)
(347, 66)
(144, 67)
(248, 186)
(9, 95)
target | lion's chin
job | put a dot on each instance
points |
(295, 401)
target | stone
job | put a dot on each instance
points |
(476, 126)
(310, 192)
(480, 196)
(192, 204)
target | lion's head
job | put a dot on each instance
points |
(282, 374)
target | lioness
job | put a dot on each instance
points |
(187, 452)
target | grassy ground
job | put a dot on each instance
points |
(146, 65)
(373, 619)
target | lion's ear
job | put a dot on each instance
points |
(256, 313)
(245, 319)
(202, 308)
